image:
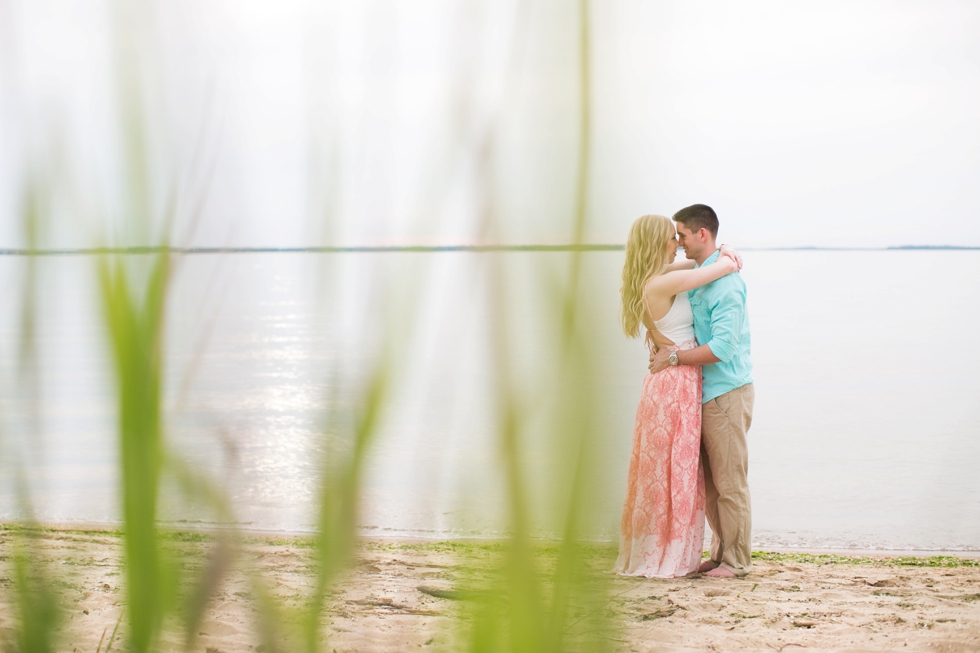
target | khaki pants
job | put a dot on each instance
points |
(724, 422)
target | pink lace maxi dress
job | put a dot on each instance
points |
(662, 530)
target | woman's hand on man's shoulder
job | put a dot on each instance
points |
(729, 252)
(728, 263)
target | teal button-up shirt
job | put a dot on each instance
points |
(722, 322)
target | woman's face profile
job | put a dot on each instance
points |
(672, 247)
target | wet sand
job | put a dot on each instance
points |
(392, 600)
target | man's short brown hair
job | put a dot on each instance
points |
(697, 217)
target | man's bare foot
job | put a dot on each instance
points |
(720, 572)
(707, 565)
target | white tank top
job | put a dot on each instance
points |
(678, 323)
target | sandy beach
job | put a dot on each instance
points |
(402, 596)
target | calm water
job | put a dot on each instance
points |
(866, 431)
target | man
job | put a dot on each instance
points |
(721, 325)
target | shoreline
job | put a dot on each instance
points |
(116, 529)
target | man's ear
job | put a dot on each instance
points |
(702, 235)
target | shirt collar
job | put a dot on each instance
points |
(711, 259)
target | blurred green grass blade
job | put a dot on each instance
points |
(135, 327)
(543, 608)
(217, 567)
(115, 629)
(339, 498)
(269, 615)
(36, 601)
(34, 596)
(199, 489)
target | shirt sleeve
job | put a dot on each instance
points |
(727, 316)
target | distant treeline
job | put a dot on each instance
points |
(83, 251)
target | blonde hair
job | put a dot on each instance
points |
(646, 257)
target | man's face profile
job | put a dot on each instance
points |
(687, 240)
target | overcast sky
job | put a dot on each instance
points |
(826, 123)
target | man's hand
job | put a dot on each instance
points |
(700, 355)
(658, 361)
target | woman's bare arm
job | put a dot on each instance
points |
(680, 264)
(688, 264)
(671, 283)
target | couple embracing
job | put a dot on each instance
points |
(689, 459)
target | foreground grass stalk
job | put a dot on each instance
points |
(36, 599)
(340, 489)
(135, 326)
(281, 628)
(540, 610)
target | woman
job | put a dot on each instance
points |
(662, 529)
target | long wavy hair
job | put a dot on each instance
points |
(646, 257)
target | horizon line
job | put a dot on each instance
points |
(599, 247)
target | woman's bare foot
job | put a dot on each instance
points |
(720, 572)
(706, 566)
